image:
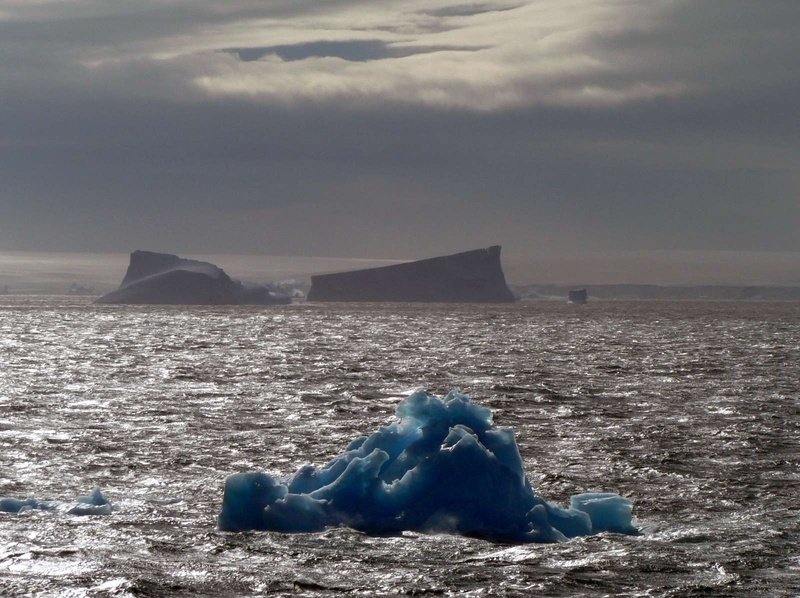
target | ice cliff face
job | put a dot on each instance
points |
(162, 278)
(471, 276)
(441, 467)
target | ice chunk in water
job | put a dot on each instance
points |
(16, 505)
(608, 512)
(440, 467)
(92, 504)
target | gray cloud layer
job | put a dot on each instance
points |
(399, 128)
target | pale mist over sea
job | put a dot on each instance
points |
(30, 272)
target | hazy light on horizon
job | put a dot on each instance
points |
(405, 128)
(50, 272)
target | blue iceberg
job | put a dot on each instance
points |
(440, 468)
(17, 505)
(94, 503)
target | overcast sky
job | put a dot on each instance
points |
(399, 128)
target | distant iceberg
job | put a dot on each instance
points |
(441, 467)
(163, 278)
(468, 277)
(578, 296)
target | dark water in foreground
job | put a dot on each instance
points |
(690, 409)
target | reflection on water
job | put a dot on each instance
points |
(691, 410)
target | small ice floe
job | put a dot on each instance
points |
(440, 467)
(16, 505)
(93, 503)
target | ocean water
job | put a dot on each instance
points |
(689, 409)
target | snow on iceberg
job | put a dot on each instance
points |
(441, 467)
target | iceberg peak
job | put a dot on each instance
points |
(440, 467)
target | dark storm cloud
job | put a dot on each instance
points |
(353, 50)
(467, 10)
(660, 126)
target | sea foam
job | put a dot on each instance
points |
(441, 467)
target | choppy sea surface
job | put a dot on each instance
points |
(689, 409)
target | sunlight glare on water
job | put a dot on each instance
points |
(689, 409)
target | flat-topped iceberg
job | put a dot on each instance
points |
(468, 277)
(440, 467)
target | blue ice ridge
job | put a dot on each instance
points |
(441, 467)
(94, 503)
